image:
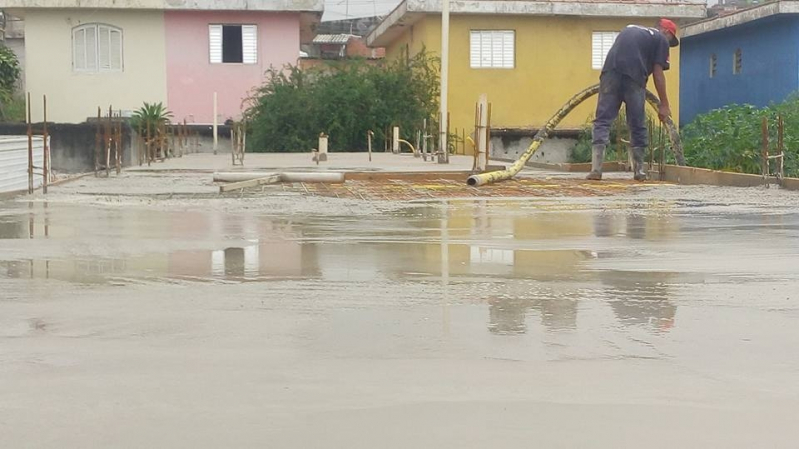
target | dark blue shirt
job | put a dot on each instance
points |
(636, 51)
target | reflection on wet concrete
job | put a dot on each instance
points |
(570, 254)
(640, 298)
(508, 316)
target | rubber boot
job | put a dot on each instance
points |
(639, 174)
(597, 158)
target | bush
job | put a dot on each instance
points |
(294, 106)
(730, 138)
(9, 75)
(619, 135)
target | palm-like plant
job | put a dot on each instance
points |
(150, 121)
(150, 116)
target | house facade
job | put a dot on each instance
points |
(529, 57)
(83, 55)
(748, 57)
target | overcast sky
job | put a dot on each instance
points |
(339, 9)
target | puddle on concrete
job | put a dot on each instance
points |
(490, 239)
(520, 258)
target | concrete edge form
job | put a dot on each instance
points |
(695, 175)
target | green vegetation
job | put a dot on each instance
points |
(12, 108)
(294, 105)
(731, 138)
(150, 116)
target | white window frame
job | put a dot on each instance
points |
(492, 49)
(601, 42)
(249, 43)
(113, 61)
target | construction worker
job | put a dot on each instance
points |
(637, 53)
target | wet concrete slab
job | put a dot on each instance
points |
(653, 318)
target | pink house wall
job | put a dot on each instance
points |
(192, 79)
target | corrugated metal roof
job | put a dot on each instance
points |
(332, 39)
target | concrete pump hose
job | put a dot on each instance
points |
(543, 133)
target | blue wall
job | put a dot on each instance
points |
(769, 69)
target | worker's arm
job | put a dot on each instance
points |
(664, 110)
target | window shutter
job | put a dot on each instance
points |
(91, 48)
(249, 43)
(104, 47)
(79, 49)
(508, 49)
(474, 49)
(215, 43)
(601, 42)
(497, 44)
(492, 49)
(115, 50)
(485, 49)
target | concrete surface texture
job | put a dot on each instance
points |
(661, 317)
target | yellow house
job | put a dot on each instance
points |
(529, 57)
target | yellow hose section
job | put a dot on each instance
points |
(413, 150)
(543, 133)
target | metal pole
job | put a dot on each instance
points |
(369, 143)
(443, 155)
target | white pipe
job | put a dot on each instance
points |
(216, 136)
(442, 145)
(325, 177)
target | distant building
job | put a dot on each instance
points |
(122, 53)
(724, 7)
(341, 40)
(748, 57)
(529, 57)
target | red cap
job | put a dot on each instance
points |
(671, 27)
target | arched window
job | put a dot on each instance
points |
(96, 48)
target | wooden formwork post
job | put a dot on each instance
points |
(98, 138)
(119, 143)
(781, 147)
(482, 133)
(139, 146)
(764, 151)
(107, 139)
(148, 145)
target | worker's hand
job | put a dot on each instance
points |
(664, 112)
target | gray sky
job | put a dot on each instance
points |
(338, 9)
